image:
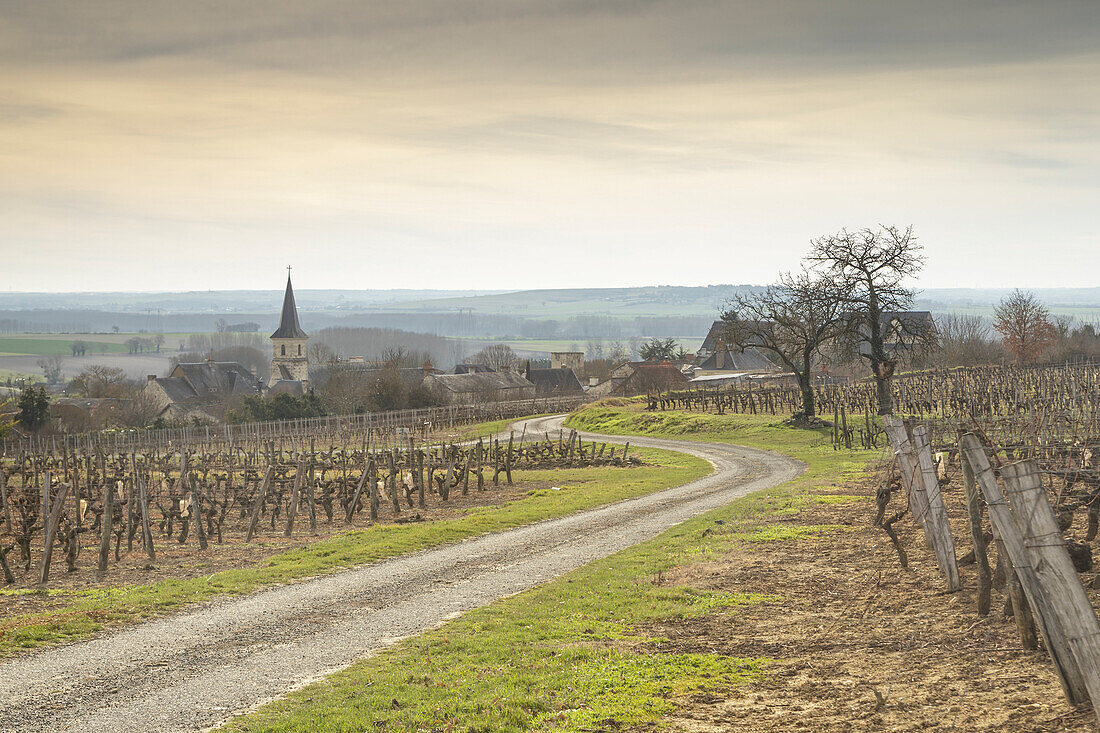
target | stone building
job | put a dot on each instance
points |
(479, 387)
(289, 356)
(567, 360)
(201, 389)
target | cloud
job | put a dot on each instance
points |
(179, 132)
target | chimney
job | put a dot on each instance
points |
(151, 377)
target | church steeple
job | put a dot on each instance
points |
(289, 358)
(289, 328)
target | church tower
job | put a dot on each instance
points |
(288, 356)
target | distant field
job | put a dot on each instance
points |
(48, 345)
(548, 345)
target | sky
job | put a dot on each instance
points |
(514, 144)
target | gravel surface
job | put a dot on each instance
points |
(193, 670)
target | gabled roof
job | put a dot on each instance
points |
(554, 381)
(748, 360)
(205, 380)
(478, 382)
(289, 327)
(176, 389)
(471, 368)
(714, 335)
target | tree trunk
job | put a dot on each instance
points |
(809, 409)
(882, 392)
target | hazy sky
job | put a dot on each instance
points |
(172, 144)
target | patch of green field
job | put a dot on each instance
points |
(568, 655)
(496, 427)
(582, 488)
(690, 343)
(52, 346)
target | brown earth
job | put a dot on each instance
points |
(182, 561)
(857, 642)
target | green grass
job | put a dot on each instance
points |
(571, 655)
(496, 427)
(582, 488)
(52, 346)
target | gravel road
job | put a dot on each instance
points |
(193, 670)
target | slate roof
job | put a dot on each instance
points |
(208, 381)
(289, 328)
(292, 387)
(714, 335)
(741, 361)
(471, 368)
(554, 381)
(177, 389)
(649, 376)
(479, 382)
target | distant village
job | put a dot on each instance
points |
(197, 391)
(307, 380)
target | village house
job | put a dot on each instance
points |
(554, 382)
(478, 387)
(202, 390)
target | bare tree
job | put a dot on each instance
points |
(101, 381)
(868, 268)
(790, 320)
(321, 353)
(52, 368)
(965, 340)
(139, 412)
(1024, 325)
(498, 357)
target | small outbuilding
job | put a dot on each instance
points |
(479, 387)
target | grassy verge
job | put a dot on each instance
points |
(566, 655)
(495, 427)
(583, 488)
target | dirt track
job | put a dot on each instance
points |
(190, 671)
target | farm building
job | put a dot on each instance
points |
(82, 414)
(471, 369)
(902, 330)
(560, 381)
(716, 355)
(568, 360)
(205, 387)
(641, 377)
(479, 387)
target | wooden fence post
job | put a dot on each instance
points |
(106, 524)
(258, 506)
(1055, 570)
(977, 535)
(292, 509)
(51, 530)
(1053, 633)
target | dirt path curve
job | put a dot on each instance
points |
(192, 670)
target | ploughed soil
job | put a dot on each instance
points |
(858, 643)
(183, 561)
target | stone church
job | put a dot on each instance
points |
(203, 390)
(289, 357)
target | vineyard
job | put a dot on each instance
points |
(234, 486)
(1008, 455)
(1020, 405)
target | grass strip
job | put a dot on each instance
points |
(583, 488)
(570, 655)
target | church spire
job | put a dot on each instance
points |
(289, 327)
